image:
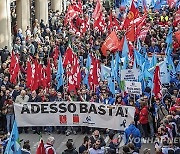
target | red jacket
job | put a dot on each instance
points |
(143, 116)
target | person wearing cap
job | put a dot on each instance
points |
(49, 149)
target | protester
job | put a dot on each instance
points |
(70, 149)
(49, 149)
(97, 148)
(132, 134)
(26, 148)
(84, 147)
(96, 136)
(143, 119)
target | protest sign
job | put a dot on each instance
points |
(73, 114)
(133, 87)
(130, 74)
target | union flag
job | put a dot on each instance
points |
(132, 15)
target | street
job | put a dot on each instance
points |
(60, 141)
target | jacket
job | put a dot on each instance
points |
(134, 133)
(70, 151)
(161, 112)
(143, 115)
(20, 99)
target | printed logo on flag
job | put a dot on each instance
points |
(75, 118)
(63, 119)
(131, 15)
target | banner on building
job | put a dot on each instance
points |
(130, 74)
(132, 87)
(73, 114)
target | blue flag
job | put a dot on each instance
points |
(125, 49)
(117, 67)
(171, 67)
(134, 64)
(112, 78)
(164, 74)
(88, 65)
(105, 72)
(60, 72)
(153, 60)
(152, 3)
(13, 145)
(148, 78)
(125, 63)
(139, 47)
(139, 58)
(169, 41)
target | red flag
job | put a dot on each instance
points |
(132, 15)
(97, 10)
(48, 74)
(44, 78)
(90, 78)
(177, 35)
(99, 23)
(35, 82)
(77, 6)
(28, 74)
(70, 15)
(56, 55)
(143, 33)
(12, 63)
(171, 3)
(84, 26)
(157, 83)
(116, 24)
(68, 63)
(139, 25)
(94, 73)
(111, 43)
(77, 74)
(130, 34)
(40, 75)
(68, 57)
(14, 68)
(41, 149)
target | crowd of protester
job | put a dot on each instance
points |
(157, 118)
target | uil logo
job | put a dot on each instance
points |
(130, 15)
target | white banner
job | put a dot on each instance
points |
(130, 74)
(133, 87)
(73, 114)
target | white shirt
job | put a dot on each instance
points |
(98, 151)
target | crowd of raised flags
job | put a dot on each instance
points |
(123, 52)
